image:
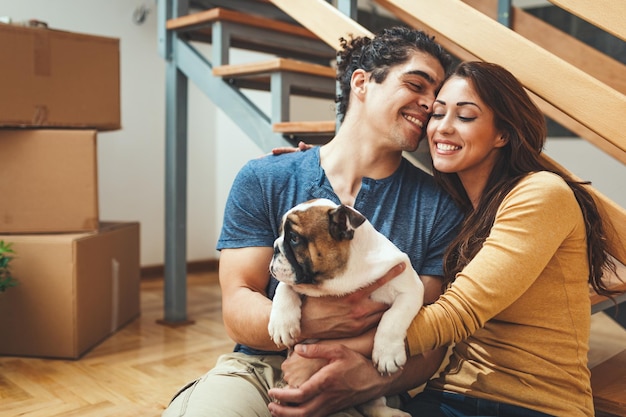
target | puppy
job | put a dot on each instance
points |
(328, 249)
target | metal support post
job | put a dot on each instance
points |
(504, 12)
(349, 8)
(175, 277)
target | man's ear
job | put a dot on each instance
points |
(358, 81)
(342, 221)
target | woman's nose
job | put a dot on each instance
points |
(445, 125)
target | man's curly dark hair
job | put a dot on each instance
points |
(389, 47)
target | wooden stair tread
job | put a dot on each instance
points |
(274, 65)
(306, 127)
(613, 282)
(596, 299)
(268, 35)
(201, 19)
(605, 14)
(312, 80)
(608, 382)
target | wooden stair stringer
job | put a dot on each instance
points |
(321, 18)
(549, 109)
(608, 15)
(595, 63)
(594, 104)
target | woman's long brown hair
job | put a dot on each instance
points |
(524, 126)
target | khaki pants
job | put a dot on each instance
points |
(236, 387)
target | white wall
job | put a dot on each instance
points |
(131, 160)
(589, 163)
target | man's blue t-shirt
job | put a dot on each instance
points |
(407, 207)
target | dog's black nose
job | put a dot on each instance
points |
(304, 279)
(305, 274)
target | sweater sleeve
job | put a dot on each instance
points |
(530, 225)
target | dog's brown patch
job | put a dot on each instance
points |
(319, 250)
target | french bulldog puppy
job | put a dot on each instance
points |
(326, 249)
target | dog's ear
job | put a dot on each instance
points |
(342, 221)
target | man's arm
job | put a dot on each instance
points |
(244, 276)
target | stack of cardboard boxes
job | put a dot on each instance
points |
(78, 277)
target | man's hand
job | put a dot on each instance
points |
(347, 380)
(298, 369)
(347, 316)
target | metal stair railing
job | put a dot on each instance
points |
(184, 63)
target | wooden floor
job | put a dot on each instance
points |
(132, 373)
(137, 370)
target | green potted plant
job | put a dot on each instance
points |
(6, 256)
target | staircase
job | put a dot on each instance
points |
(301, 36)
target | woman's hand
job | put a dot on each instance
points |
(285, 149)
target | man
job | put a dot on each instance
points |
(388, 85)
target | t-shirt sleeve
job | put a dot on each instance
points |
(246, 219)
(443, 230)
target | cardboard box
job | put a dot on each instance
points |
(48, 181)
(52, 78)
(73, 290)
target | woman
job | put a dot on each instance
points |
(517, 299)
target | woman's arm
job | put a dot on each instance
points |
(532, 222)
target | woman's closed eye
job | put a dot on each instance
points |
(465, 119)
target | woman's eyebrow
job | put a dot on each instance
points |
(467, 103)
(460, 103)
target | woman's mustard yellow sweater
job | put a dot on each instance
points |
(519, 313)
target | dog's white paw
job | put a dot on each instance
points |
(389, 357)
(285, 331)
(284, 324)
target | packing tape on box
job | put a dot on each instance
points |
(115, 301)
(42, 54)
